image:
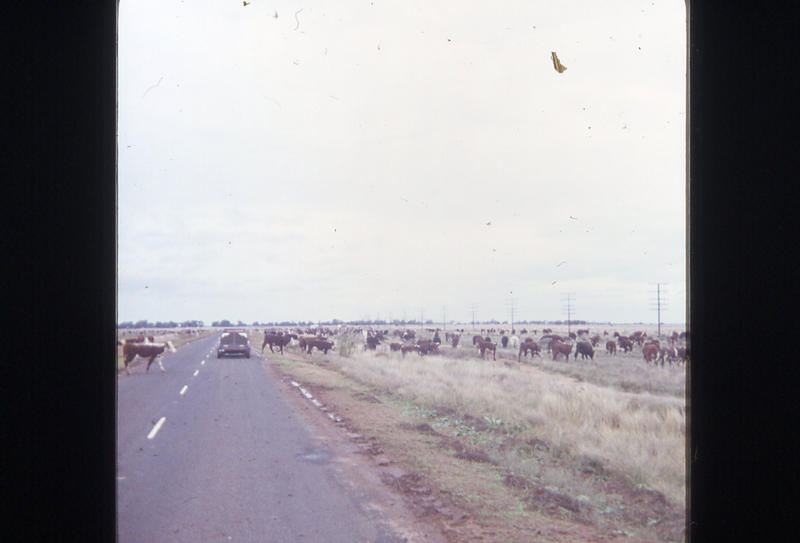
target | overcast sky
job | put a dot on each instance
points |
(312, 160)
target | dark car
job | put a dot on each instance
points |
(233, 343)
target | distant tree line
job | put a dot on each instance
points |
(160, 324)
(333, 322)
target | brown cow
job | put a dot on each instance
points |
(394, 346)
(668, 353)
(595, 340)
(484, 345)
(320, 344)
(528, 347)
(426, 346)
(303, 341)
(611, 347)
(278, 340)
(650, 352)
(454, 340)
(409, 348)
(145, 350)
(560, 348)
(625, 344)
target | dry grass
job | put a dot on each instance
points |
(635, 433)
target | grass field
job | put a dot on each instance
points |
(544, 424)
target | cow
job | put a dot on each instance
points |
(514, 342)
(276, 340)
(584, 348)
(487, 345)
(372, 342)
(572, 335)
(409, 348)
(321, 345)
(436, 338)
(303, 341)
(454, 340)
(427, 346)
(553, 337)
(650, 352)
(504, 341)
(583, 331)
(625, 344)
(668, 353)
(611, 347)
(145, 350)
(595, 340)
(476, 339)
(682, 353)
(560, 348)
(528, 347)
(395, 346)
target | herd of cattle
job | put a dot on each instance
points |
(669, 350)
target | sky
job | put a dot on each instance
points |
(305, 161)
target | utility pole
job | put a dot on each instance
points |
(512, 307)
(658, 303)
(444, 317)
(473, 315)
(569, 309)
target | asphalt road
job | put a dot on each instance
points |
(231, 460)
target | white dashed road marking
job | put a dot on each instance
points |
(183, 390)
(156, 428)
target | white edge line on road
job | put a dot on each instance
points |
(156, 428)
(195, 373)
(315, 401)
(183, 390)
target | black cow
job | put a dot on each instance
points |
(372, 342)
(584, 348)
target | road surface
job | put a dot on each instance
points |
(209, 451)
